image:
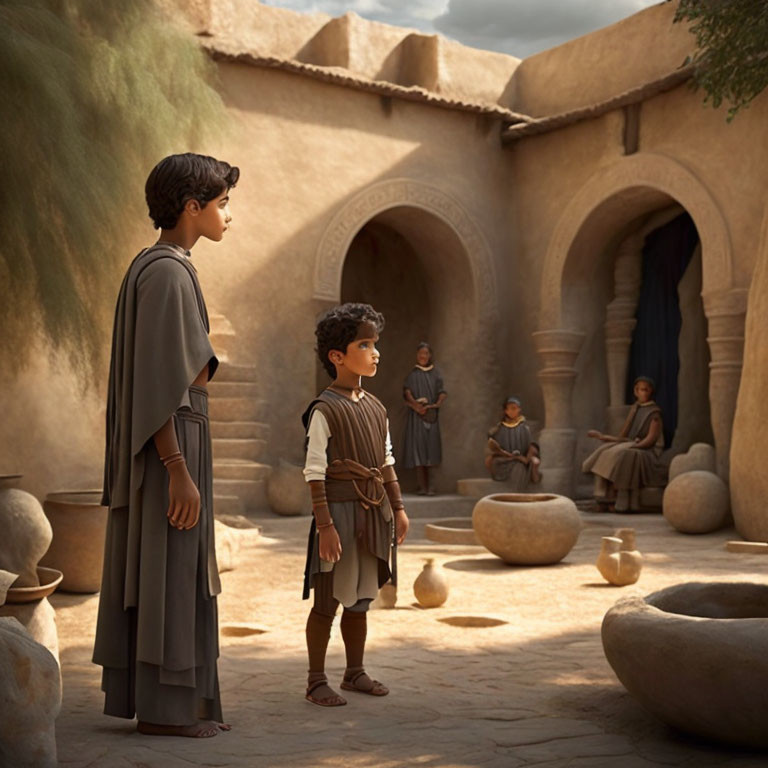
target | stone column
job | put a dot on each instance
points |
(558, 350)
(620, 321)
(725, 311)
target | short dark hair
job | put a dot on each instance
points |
(177, 179)
(337, 329)
(647, 380)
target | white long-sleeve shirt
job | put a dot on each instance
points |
(317, 459)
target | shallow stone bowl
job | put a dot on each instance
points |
(452, 530)
(696, 656)
(49, 578)
(527, 528)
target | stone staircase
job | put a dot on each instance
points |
(238, 430)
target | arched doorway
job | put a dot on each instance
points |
(587, 317)
(414, 254)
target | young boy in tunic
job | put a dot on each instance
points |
(631, 460)
(157, 630)
(512, 456)
(356, 499)
(424, 394)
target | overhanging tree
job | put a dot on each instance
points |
(731, 60)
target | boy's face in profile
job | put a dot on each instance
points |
(213, 220)
(511, 411)
(643, 391)
(361, 357)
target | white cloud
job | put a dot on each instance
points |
(517, 27)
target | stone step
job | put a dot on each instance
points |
(238, 448)
(240, 469)
(225, 389)
(238, 409)
(477, 487)
(252, 493)
(240, 430)
(230, 372)
(445, 505)
(227, 505)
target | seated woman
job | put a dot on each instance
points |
(512, 456)
(631, 460)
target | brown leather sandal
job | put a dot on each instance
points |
(328, 700)
(377, 689)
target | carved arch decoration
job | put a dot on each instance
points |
(643, 170)
(393, 193)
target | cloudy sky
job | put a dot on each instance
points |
(517, 27)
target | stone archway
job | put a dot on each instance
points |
(464, 312)
(607, 203)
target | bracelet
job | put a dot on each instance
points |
(324, 525)
(401, 508)
(170, 456)
(174, 460)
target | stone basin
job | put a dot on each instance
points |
(527, 528)
(452, 530)
(696, 656)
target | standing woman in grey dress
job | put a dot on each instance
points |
(424, 394)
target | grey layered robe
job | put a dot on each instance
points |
(422, 446)
(504, 468)
(624, 465)
(157, 629)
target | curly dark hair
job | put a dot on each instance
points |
(177, 179)
(337, 328)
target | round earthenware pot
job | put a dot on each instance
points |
(696, 655)
(431, 585)
(49, 579)
(527, 528)
(287, 490)
(79, 523)
(26, 534)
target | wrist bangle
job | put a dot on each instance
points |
(173, 455)
(323, 525)
(174, 460)
(400, 508)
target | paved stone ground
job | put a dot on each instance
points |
(533, 690)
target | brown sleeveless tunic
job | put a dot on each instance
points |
(357, 502)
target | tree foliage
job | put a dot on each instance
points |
(94, 93)
(732, 49)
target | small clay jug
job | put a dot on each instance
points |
(431, 585)
(616, 565)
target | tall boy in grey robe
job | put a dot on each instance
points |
(157, 631)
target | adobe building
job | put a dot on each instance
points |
(528, 218)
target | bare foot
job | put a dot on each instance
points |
(322, 694)
(202, 730)
(220, 726)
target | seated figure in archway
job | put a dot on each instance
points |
(512, 457)
(424, 394)
(632, 459)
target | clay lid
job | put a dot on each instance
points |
(49, 578)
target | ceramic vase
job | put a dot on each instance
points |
(617, 565)
(79, 523)
(26, 534)
(431, 585)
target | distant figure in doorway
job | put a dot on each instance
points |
(424, 394)
(631, 460)
(512, 456)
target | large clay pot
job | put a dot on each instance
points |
(696, 502)
(527, 528)
(431, 585)
(26, 534)
(696, 655)
(79, 523)
(287, 490)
